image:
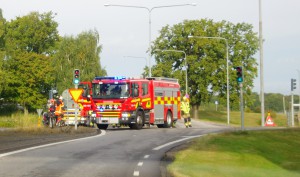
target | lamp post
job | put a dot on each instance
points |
(149, 12)
(179, 51)
(227, 69)
(261, 56)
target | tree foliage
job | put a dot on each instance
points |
(28, 41)
(206, 58)
(34, 58)
(2, 49)
(80, 52)
(32, 33)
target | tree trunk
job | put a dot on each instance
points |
(195, 111)
(25, 110)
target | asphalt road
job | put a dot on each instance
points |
(113, 153)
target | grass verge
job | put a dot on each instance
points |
(242, 154)
(250, 119)
(20, 120)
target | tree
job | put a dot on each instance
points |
(29, 42)
(26, 81)
(32, 33)
(2, 48)
(81, 52)
(206, 58)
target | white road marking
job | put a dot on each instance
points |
(140, 164)
(136, 173)
(103, 132)
(177, 141)
(146, 156)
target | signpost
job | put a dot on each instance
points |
(39, 111)
(75, 93)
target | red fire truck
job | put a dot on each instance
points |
(135, 102)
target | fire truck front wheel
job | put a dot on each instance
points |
(139, 121)
(102, 126)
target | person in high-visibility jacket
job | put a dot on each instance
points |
(59, 109)
(185, 109)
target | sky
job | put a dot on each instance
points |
(125, 31)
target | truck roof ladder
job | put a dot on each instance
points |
(163, 79)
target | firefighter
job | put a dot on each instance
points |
(185, 109)
(59, 109)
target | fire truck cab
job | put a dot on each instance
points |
(135, 102)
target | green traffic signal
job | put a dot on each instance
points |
(239, 73)
(76, 77)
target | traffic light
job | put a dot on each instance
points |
(293, 84)
(239, 73)
(76, 78)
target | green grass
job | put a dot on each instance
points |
(241, 154)
(250, 119)
(19, 120)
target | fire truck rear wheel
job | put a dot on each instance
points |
(102, 126)
(168, 122)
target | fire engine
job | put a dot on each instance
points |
(121, 101)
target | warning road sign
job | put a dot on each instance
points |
(269, 121)
(75, 93)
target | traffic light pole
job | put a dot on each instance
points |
(242, 106)
(292, 111)
(293, 87)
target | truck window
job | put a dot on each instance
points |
(145, 89)
(135, 89)
(110, 90)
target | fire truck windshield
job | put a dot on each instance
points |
(111, 90)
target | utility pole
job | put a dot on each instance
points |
(262, 94)
(242, 107)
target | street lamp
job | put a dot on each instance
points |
(227, 70)
(149, 11)
(261, 56)
(179, 51)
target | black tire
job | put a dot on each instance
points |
(88, 121)
(169, 120)
(160, 125)
(102, 126)
(139, 120)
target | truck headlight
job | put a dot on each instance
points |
(126, 114)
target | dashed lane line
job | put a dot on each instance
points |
(173, 142)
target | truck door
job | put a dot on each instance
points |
(135, 90)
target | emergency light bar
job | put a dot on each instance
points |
(111, 78)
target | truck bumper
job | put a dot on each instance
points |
(126, 119)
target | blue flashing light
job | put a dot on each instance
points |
(111, 78)
(119, 77)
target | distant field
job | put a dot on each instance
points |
(241, 154)
(250, 119)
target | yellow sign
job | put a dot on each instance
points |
(75, 93)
